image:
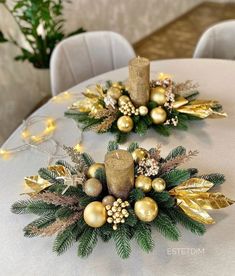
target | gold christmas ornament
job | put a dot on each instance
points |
(158, 95)
(159, 115)
(159, 185)
(95, 214)
(92, 187)
(108, 200)
(125, 124)
(144, 183)
(114, 92)
(140, 154)
(117, 213)
(146, 209)
(123, 100)
(143, 110)
(93, 169)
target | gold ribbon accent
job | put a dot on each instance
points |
(202, 109)
(193, 197)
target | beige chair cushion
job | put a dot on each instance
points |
(86, 55)
(217, 42)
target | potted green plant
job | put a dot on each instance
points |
(41, 25)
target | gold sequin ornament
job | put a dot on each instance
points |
(125, 124)
(159, 185)
(93, 169)
(140, 154)
(158, 95)
(117, 213)
(92, 187)
(114, 92)
(95, 214)
(146, 209)
(144, 183)
(159, 115)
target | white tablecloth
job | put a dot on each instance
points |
(212, 254)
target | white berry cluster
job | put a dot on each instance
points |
(148, 167)
(129, 109)
(164, 83)
(172, 121)
(117, 212)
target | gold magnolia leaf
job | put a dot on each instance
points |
(179, 101)
(36, 183)
(59, 169)
(192, 185)
(211, 201)
(194, 211)
(205, 103)
(201, 111)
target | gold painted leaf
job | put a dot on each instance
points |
(192, 185)
(36, 183)
(179, 101)
(194, 211)
(211, 201)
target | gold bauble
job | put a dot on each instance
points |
(159, 185)
(146, 209)
(159, 115)
(123, 100)
(93, 169)
(108, 200)
(140, 154)
(114, 92)
(95, 214)
(158, 95)
(143, 110)
(144, 183)
(92, 187)
(125, 124)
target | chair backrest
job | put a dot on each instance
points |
(86, 55)
(217, 42)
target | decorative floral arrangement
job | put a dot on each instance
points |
(160, 104)
(133, 192)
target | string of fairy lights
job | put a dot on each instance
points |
(32, 139)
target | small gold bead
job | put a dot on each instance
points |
(123, 220)
(119, 209)
(108, 207)
(110, 213)
(119, 200)
(114, 227)
(117, 214)
(126, 215)
(123, 205)
(115, 204)
(124, 211)
(109, 220)
(118, 220)
(114, 209)
(121, 216)
(127, 203)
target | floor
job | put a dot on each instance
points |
(179, 38)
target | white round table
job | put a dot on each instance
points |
(211, 254)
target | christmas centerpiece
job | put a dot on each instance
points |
(133, 192)
(161, 104)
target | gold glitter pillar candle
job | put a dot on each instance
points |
(119, 168)
(138, 83)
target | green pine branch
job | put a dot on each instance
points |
(121, 137)
(66, 165)
(101, 176)
(176, 152)
(41, 222)
(215, 178)
(136, 194)
(162, 129)
(21, 207)
(166, 227)
(50, 176)
(64, 240)
(141, 127)
(41, 208)
(64, 212)
(143, 236)
(131, 220)
(175, 177)
(190, 224)
(163, 199)
(87, 159)
(87, 242)
(122, 241)
(113, 145)
(105, 232)
(133, 146)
